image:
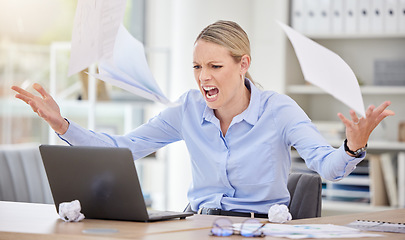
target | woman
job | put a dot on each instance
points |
(238, 137)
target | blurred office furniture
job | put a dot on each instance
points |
(22, 175)
(79, 101)
(373, 45)
(348, 17)
(306, 195)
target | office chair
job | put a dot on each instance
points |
(305, 195)
(22, 175)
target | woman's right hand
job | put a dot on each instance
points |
(45, 106)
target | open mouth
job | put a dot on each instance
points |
(210, 92)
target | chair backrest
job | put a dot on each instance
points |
(22, 175)
(306, 195)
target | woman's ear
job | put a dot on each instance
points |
(244, 64)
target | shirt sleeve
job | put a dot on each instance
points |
(159, 131)
(299, 132)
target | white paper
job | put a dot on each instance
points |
(95, 27)
(326, 70)
(279, 214)
(129, 69)
(70, 211)
(302, 231)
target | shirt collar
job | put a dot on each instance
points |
(251, 113)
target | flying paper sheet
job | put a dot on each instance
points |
(129, 69)
(326, 70)
(98, 36)
(95, 27)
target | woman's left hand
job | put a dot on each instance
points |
(358, 130)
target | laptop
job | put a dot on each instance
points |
(104, 180)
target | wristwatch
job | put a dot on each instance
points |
(356, 153)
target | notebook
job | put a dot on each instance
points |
(378, 226)
(104, 180)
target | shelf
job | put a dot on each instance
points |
(378, 146)
(352, 180)
(352, 207)
(345, 193)
(373, 146)
(110, 107)
(367, 90)
(343, 36)
(106, 104)
(360, 51)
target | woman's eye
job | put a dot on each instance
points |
(216, 66)
(196, 67)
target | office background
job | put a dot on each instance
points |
(34, 46)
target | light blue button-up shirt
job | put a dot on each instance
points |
(245, 170)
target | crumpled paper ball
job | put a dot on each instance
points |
(70, 211)
(279, 214)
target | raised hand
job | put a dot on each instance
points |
(45, 106)
(358, 130)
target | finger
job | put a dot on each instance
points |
(22, 91)
(40, 89)
(34, 106)
(344, 120)
(370, 110)
(23, 98)
(389, 112)
(382, 107)
(354, 117)
(381, 112)
(385, 114)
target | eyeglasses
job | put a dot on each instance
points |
(223, 227)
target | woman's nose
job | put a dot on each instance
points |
(204, 75)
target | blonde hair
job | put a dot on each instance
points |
(229, 35)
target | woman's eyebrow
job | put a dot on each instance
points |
(210, 62)
(214, 62)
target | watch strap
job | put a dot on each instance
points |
(356, 153)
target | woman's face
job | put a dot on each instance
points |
(217, 74)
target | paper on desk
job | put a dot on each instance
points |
(301, 231)
(129, 70)
(95, 28)
(327, 70)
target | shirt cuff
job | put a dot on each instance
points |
(349, 163)
(63, 136)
